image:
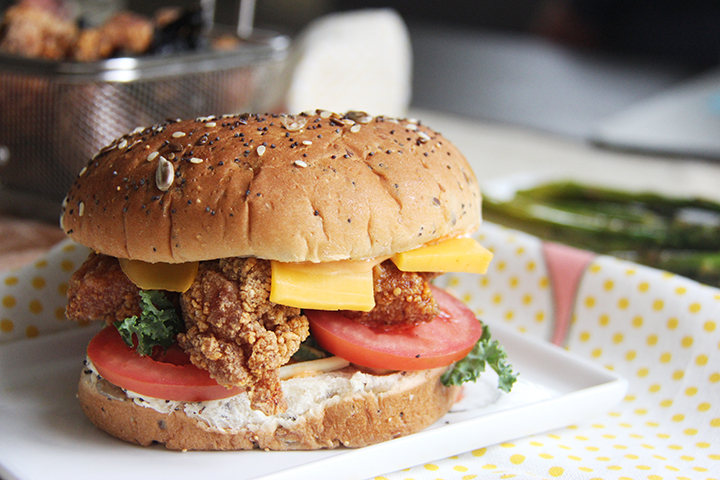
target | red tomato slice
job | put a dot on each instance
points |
(170, 377)
(446, 339)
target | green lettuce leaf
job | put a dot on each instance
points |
(486, 351)
(158, 324)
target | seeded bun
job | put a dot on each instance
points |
(311, 187)
(385, 408)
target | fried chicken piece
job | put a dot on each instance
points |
(402, 299)
(91, 46)
(123, 32)
(100, 290)
(236, 333)
(37, 33)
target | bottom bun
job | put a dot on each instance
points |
(343, 408)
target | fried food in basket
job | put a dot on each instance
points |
(34, 32)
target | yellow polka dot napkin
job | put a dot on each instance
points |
(33, 298)
(660, 331)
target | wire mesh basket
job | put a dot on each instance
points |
(54, 116)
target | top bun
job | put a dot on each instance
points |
(310, 187)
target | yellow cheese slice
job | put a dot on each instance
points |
(454, 255)
(306, 285)
(175, 277)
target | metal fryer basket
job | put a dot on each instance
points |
(54, 116)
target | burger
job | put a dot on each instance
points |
(265, 281)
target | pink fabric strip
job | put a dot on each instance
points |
(565, 266)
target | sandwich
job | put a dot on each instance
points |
(266, 281)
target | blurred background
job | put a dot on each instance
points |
(561, 66)
(570, 67)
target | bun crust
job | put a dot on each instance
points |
(352, 420)
(313, 188)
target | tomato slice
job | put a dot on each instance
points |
(444, 340)
(170, 376)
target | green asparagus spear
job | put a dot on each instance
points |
(676, 234)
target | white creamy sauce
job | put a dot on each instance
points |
(304, 395)
(476, 395)
(307, 397)
(484, 392)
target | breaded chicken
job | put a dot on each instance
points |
(100, 290)
(402, 299)
(123, 32)
(34, 32)
(236, 333)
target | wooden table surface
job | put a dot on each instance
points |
(23, 240)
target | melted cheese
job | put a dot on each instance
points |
(175, 277)
(453, 255)
(306, 285)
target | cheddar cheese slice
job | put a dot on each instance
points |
(175, 277)
(454, 255)
(305, 285)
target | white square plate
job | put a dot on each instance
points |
(44, 434)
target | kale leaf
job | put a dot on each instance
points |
(310, 350)
(486, 351)
(158, 324)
